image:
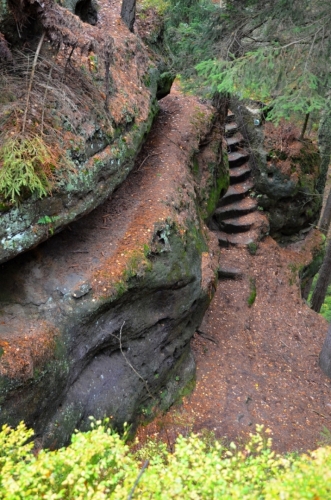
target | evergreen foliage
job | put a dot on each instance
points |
(160, 6)
(26, 166)
(99, 465)
(192, 34)
(273, 52)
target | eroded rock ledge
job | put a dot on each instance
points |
(98, 319)
(91, 104)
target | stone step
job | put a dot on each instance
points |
(230, 129)
(259, 228)
(239, 239)
(236, 209)
(234, 142)
(237, 158)
(229, 273)
(230, 117)
(239, 174)
(240, 224)
(236, 192)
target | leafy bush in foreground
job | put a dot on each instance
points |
(98, 465)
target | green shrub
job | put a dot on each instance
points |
(98, 465)
(252, 247)
(160, 6)
(26, 167)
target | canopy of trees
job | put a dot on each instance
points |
(275, 52)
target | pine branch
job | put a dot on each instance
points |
(35, 60)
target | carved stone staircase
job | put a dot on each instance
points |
(237, 220)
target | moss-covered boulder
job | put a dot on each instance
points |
(98, 320)
(72, 129)
(287, 185)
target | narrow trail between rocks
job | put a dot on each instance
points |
(257, 364)
(264, 367)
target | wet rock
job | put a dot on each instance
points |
(107, 356)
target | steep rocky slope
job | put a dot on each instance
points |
(97, 320)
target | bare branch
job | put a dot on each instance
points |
(31, 79)
(119, 338)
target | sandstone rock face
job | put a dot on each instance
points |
(84, 372)
(286, 172)
(97, 320)
(289, 196)
(34, 220)
(97, 108)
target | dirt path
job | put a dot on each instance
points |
(259, 364)
(264, 368)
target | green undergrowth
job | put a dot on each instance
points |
(252, 247)
(160, 6)
(99, 465)
(252, 292)
(326, 306)
(27, 166)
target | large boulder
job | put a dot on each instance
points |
(287, 186)
(98, 319)
(74, 127)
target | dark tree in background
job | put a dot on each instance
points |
(323, 281)
(128, 13)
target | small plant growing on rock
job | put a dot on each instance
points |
(26, 167)
(252, 247)
(252, 295)
(48, 221)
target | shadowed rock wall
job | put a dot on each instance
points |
(98, 319)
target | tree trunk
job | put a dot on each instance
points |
(128, 13)
(324, 144)
(304, 127)
(325, 356)
(308, 273)
(306, 288)
(326, 216)
(323, 281)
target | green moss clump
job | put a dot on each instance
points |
(252, 294)
(222, 184)
(252, 247)
(218, 183)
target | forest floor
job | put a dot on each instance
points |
(259, 364)
(256, 364)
